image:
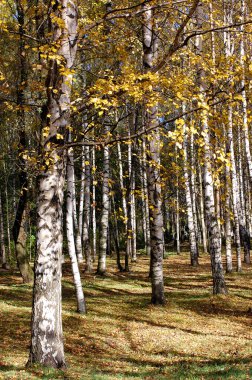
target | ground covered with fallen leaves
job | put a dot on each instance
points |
(194, 336)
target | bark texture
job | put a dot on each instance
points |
(81, 307)
(101, 269)
(153, 170)
(47, 337)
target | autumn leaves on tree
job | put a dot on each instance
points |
(137, 112)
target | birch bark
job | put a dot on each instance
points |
(94, 201)
(101, 270)
(153, 169)
(146, 200)
(189, 206)
(86, 212)
(47, 335)
(81, 308)
(219, 286)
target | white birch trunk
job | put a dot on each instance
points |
(143, 205)
(244, 96)
(82, 186)
(244, 234)
(76, 224)
(193, 187)
(229, 49)
(153, 170)
(177, 221)
(202, 211)
(123, 190)
(86, 212)
(189, 205)
(133, 218)
(129, 252)
(146, 203)
(228, 230)
(47, 335)
(101, 270)
(81, 308)
(219, 285)
(235, 189)
(94, 202)
(132, 205)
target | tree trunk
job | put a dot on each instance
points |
(177, 221)
(86, 213)
(229, 264)
(7, 218)
(189, 207)
(19, 233)
(219, 286)
(2, 239)
(116, 237)
(82, 191)
(202, 213)
(101, 270)
(153, 170)
(81, 308)
(146, 200)
(94, 202)
(132, 201)
(75, 219)
(244, 96)
(47, 336)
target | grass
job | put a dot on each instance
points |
(194, 336)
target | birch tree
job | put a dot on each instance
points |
(219, 285)
(81, 307)
(153, 169)
(47, 337)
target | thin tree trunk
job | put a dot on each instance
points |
(94, 202)
(123, 190)
(244, 96)
(2, 237)
(219, 286)
(153, 171)
(75, 218)
(82, 191)
(202, 213)
(86, 219)
(193, 189)
(132, 201)
(189, 207)
(19, 233)
(146, 203)
(116, 237)
(101, 270)
(177, 221)
(7, 218)
(81, 308)
(133, 218)
(235, 191)
(244, 233)
(229, 264)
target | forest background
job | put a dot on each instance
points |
(126, 133)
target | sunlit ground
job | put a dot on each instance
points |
(194, 336)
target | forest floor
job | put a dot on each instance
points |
(194, 336)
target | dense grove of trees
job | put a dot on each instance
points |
(124, 126)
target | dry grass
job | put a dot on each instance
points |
(194, 336)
